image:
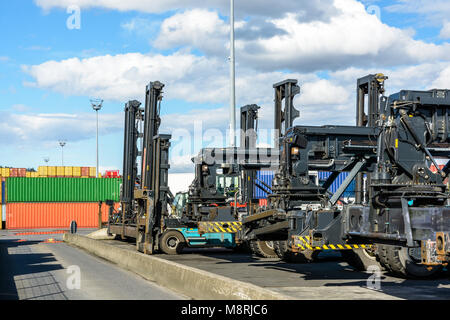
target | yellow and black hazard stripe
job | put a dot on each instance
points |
(219, 226)
(304, 243)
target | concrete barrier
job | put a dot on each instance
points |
(192, 282)
(101, 234)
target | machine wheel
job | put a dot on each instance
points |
(360, 259)
(405, 262)
(263, 249)
(283, 252)
(172, 242)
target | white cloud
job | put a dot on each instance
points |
(445, 31)
(186, 76)
(435, 11)
(29, 128)
(195, 28)
(20, 108)
(350, 37)
(141, 26)
(119, 77)
(443, 80)
(312, 9)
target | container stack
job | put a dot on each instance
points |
(66, 172)
(3, 201)
(53, 202)
(267, 176)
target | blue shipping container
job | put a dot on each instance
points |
(267, 177)
(348, 193)
(3, 192)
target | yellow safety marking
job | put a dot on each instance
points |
(307, 244)
(219, 226)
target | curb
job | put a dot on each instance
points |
(192, 282)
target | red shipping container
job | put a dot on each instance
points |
(85, 171)
(433, 168)
(54, 215)
(262, 202)
(111, 173)
(14, 172)
(22, 172)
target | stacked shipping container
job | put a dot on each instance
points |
(267, 176)
(55, 202)
(50, 171)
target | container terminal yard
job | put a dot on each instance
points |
(347, 198)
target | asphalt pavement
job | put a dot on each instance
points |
(36, 264)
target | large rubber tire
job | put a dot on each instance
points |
(283, 252)
(172, 242)
(263, 249)
(361, 259)
(399, 261)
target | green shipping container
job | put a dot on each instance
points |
(62, 189)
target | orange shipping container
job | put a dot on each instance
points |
(85, 172)
(54, 215)
(14, 172)
(22, 172)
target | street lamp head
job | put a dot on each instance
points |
(46, 159)
(96, 104)
(62, 143)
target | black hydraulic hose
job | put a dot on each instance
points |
(264, 190)
(265, 185)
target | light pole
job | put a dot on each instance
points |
(232, 79)
(97, 105)
(62, 143)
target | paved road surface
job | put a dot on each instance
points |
(328, 278)
(33, 269)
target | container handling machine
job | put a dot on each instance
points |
(149, 212)
(401, 216)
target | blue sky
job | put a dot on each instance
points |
(48, 72)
